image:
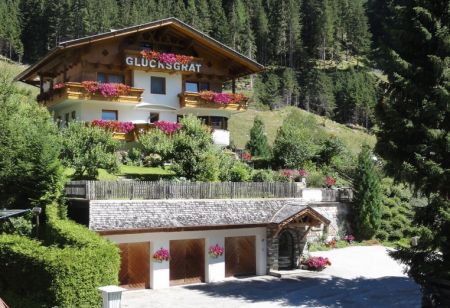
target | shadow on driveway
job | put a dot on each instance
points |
(334, 292)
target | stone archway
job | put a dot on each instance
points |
(286, 250)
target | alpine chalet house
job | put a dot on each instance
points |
(153, 72)
(174, 233)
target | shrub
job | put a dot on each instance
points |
(258, 144)
(329, 149)
(86, 149)
(296, 142)
(30, 172)
(17, 225)
(239, 173)
(65, 274)
(367, 201)
(156, 141)
(263, 175)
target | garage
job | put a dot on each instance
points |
(187, 261)
(135, 262)
(240, 256)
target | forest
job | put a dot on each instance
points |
(317, 51)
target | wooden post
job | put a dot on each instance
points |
(233, 85)
(41, 83)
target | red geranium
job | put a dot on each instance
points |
(317, 263)
(330, 181)
(161, 254)
(168, 127)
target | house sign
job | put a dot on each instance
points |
(144, 62)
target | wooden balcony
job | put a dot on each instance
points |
(76, 91)
(190, 100)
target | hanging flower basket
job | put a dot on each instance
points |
(215, 251)
(161, 255)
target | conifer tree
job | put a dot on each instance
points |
(414, 52)
(367, 199)
(258, 144)
(219, 22)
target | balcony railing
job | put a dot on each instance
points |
(194, 100)
(76, 91)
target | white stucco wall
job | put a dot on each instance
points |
(174, 87)
(221, 137)
(214, 268)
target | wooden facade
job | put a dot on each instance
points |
(187, 263)
(240, 256)
(135, 265)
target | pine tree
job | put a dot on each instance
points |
(367, 199)
(219, 23)
(258, 144)
(414, 52)
(261, 26)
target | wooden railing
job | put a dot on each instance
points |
(193, 100)
(76, 91)
(119, 190)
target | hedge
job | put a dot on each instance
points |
(65, 274)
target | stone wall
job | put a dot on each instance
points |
(339, 215)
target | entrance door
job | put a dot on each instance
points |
(135, 265)
(240, 256)
(285, 251)
(187, 261)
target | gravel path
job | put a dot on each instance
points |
(359, 277)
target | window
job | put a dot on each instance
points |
(196, 86)
(74, 115)
(110, 78)
(158, 85)
(204, 86)
(110, 115)
(215, 122)
(154, 117)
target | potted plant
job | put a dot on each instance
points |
(215, 251)
(161, 255)
(316, 263)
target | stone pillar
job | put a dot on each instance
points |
(272, 249)
(159, 272)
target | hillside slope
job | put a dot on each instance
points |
(10, 69)
(241, 123)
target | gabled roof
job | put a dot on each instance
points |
(154, 215)
(173, 22)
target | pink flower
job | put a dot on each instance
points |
(302, 173)
(108, 90)
(114, 126)
(216, 251)
(317, 263)
(161, 254)
(167, 58)
(349, 238)
(246, 156)
(168, 127)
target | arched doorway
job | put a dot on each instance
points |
(285, 251)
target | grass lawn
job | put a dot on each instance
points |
(241, 123)
(131, 172)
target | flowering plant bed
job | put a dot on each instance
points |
(114, 126)
(223, 98)
(215, 251)
(349, 238)
(163, 57)
(106, 89)
(316, 263)
(161, 254)
(331, 243)
(168, 127)
(293, 174)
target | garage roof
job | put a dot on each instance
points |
(174, 215)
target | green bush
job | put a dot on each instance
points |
(30, 172)
(263, 175)
(239, 173)
(86, 149)
(17, 225)
(156, 142)
(258, 144)
(65, 274)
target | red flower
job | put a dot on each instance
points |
(330, 181)
(246, 156)
(114, 126)
(302, 173)
(59, 85)
(222, 98)
(216, 251)
(317, 263)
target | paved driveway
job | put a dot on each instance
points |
(359, 277)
